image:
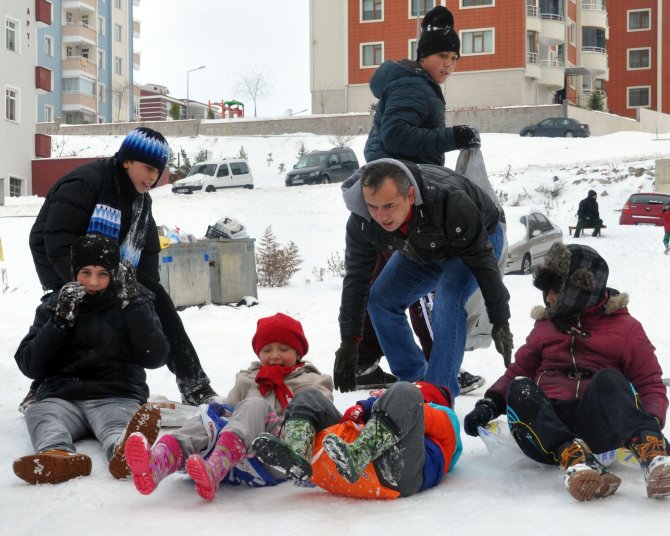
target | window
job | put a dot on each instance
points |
(531, 47)
(101, 26)
(371, 54)
(223, 171)
(572, 32)
(412, 49)
(12, 104)
(639, 20)
(15, 187)
(639, 97)
(477, 42)
(101, 59)
(593, 39)
(11, 34)
(102, 92)
(239, 168)
(117, 4)
(477, 3)
(118, 32)
(48, 114)
(118, 65)
(418, 8)
(333, 160)
(639, 58)
(79, 85)
(48, 46)
(552, 9)
(372, 10)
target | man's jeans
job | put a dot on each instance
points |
(400, 284)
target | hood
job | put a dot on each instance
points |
(304, 170)
(614, 302)
(352, 191)
(391, 70)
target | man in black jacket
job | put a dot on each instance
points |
(588, 215)
(447, 236)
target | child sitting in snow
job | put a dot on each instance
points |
(394, 445)
(90, 343)
(214, 445)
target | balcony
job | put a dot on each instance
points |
(595, 60)
(533, 22)
(42, 146)
(136, 28)
(136, 3)
(532, 66)
(594, 14)
(79, 6)
(136, 61)
(75, 66)
(76, 33)
(43, 13)
(78, 102)
(552, 29)
(552, 74)
(43, 79)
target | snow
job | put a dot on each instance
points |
(484, 493)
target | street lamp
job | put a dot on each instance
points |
(188, 73)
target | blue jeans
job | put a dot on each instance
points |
(401, 283)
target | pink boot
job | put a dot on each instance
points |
(151, 465)
(207, 474)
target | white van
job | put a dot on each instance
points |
(213, 175)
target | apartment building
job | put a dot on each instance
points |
(89, 49)
(21, 82)
(513, 52)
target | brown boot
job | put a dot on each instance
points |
(52, 467)
(585, 477)
(147, 421)
(651, 450)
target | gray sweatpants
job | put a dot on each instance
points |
(54, 423)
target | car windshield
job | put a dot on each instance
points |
(311, 160)
(650, 199)
(516, 229)
(205, 169)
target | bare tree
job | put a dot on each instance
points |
(254, 85)
(120, 93)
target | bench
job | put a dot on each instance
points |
(571, 229)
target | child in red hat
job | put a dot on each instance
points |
(393, 445)
(213, 446)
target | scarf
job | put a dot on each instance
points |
(271, 378)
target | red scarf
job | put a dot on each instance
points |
(271, 377)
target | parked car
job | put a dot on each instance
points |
(530, 234)
(323, 167)
(644, 209)
(557, 127)
(213, 175)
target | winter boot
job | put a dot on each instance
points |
(208, 473)
(585, 477)
(469, 382)
(292, 453)
(667, 249)
(151, 465)
(351, 459)
(651, 450)
(52, 467)
(146, 421)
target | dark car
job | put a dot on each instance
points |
(644, 209)
(323, 167)
(557, 127)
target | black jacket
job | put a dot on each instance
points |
(103, 355)
(451, 217)
(588, 210)
(66, 213)
(409, 119)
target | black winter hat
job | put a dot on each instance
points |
(95, 250)
(145, 145)
(438, 33)
(592, 193)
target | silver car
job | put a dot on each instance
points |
(530, 234)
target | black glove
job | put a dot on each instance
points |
(502, 337)
(346, 359)
(69, 298)
(485, 410)
(127, 288)
(467, 137)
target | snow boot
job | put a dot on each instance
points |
(667, 249)
(208, 473)
(651, 450)
(146, 421)
(148, 465)
(585, 477)
(292, 453)
(469, 382)
(351, 459)
(374, 379)
(52, 466)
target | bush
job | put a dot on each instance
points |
(596, 101)
(275, 263)
(336, 265)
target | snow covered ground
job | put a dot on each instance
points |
(485, 494)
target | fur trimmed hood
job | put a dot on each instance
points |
(613, 303)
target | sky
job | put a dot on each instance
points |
(486, 493)
(229, 37)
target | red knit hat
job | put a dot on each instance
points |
(437, 394)
(280, 328)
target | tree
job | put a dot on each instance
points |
(254, 85)
(302, 150)
(210, 113)
(596, 101)
(242, 153)
(276, 264)
(175, 111)
(120, 94)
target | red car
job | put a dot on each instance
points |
(644, 209)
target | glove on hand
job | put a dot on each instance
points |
(69, 298)
(502, 337)
(467, 137)
(483, 412)
(346, 358)
(127, 288)
(354, 414)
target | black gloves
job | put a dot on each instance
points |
(127, 288)
(485, 410)
(502, 337)
(346, 359)
(467, 137)
(69, 298)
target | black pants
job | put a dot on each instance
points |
(583, 223)
(606, 418)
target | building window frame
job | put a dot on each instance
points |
(419, 8)
(639, 49)
(476, 4)
(376, 52)
(375, 5)
(48, 113)
(412, 45)
(102, 26)
(101, 60)
(12, 34)
(49, 46)
(628, 97)
(118, 4)
(572, 32)
(16, 186)
(467, 41)
(13, 104)
(118, 65)
(638, 12)
(118, 32)
(102, 93)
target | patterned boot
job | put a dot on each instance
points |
(146, 421)
(292, 453)
(379, 435)
(585, 477)
(208, 473)
(151, 465)
(52, 466)
(651, 450)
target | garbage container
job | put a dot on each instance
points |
(184, 272)
(232, 265)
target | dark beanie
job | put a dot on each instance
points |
(94, 250)
(593, 193)
(438, 33)
(147, 146)
(282, 329)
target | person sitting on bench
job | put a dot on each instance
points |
(588, 216)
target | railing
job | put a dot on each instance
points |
(80, 23)
(600, 50)
(531, 57)
(552, 16)
(594, 6)
(532, 11)
(551, 63)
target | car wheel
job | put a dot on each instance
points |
(249, 186)
(526, 264)
(210, 188)
(325, 179)
(569, 134)
(528, 134)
